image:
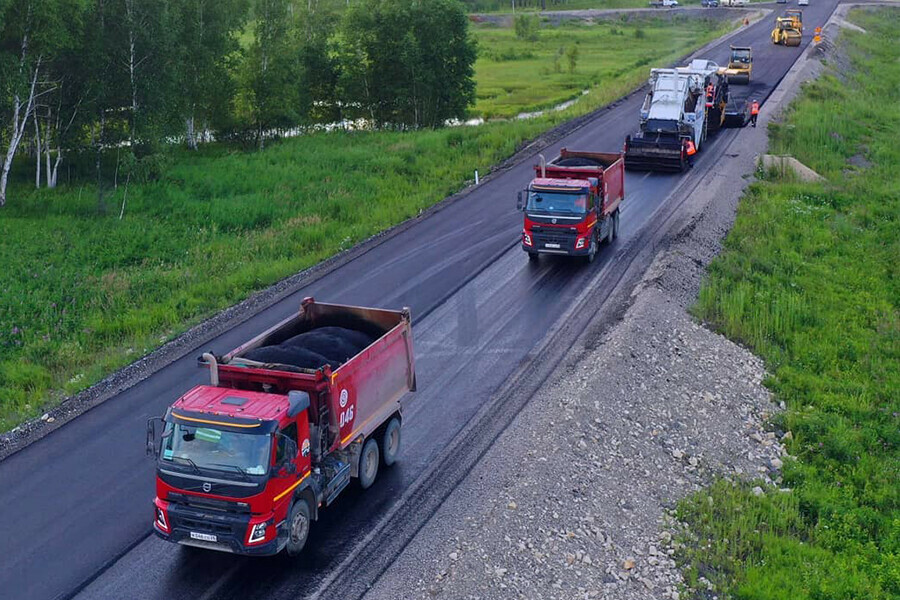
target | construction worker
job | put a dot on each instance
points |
(690, 150)
(754, 111)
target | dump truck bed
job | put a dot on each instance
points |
(607, 167)
(361, 392)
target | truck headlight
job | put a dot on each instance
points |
(161, 519)
(258, 532)
(527, 239)
(579, 243)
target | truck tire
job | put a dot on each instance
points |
(533, 256)
(368, 463)
(615, 224)
(298, 527)
(390, 442)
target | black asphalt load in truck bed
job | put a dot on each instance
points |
(313, 349)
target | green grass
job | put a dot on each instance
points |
(534, 6)
(810, 281)
(85, 293)
(515, 75)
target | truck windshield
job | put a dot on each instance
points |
(557, 202)
(209, 448)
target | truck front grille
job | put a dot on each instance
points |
(202, 526)
(565, 239)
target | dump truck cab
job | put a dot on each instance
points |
(227, 464)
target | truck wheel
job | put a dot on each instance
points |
(533, 256)
(617, 223)
(390, 442)
(592, 248)
(298, 527)
(368, 464)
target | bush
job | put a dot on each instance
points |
(528, 27)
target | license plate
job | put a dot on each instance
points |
(551, 245)
(203, 536)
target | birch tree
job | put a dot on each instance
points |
(268, 75)
(207, 42)
(410, 63)
(23, 42)
(34, 36)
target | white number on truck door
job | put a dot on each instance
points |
(346, 416)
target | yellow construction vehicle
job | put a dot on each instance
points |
(786, 32)
(796, 15)
(740, 65)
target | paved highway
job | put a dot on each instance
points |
(76, 504)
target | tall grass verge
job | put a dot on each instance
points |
(810, 281)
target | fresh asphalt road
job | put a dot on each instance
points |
(76, 500)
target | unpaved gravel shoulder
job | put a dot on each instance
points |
(568, 503)
(573, 500)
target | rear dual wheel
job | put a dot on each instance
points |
(377, 450)
(368, 463)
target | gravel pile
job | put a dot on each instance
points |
(572, 501)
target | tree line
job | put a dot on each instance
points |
(81, 79)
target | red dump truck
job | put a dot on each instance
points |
(572, 204)
(245, 463)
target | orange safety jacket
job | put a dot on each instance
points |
(690, 148)
(754, 108)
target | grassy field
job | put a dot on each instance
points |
(516, 75)
(810, 281)
(85, 293)
(496, 6)
(534, 6)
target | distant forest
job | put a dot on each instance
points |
(83, 79)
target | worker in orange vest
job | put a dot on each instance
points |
(754, 111)
(690, 150)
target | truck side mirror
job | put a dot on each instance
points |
(152, 449)
(519, 202)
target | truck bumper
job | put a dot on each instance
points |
(220, 531)
(556, 251)
(549, 241)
